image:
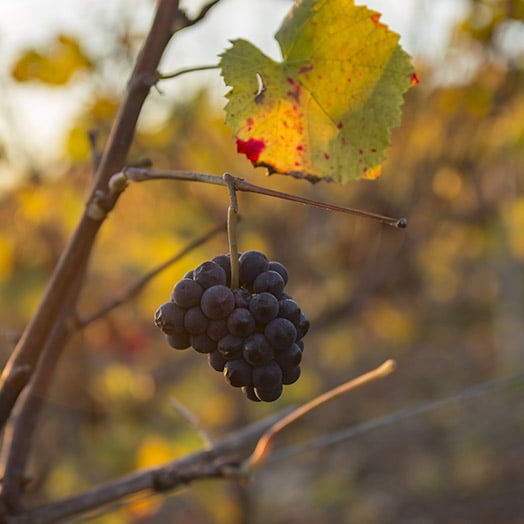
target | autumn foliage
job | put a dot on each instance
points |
(444, 297)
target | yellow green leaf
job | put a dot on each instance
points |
(326, 110)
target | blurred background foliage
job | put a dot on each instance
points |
(445, 298)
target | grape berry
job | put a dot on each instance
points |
(253, 335)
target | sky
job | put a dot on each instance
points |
(42, 113)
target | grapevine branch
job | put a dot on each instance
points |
(263, 448)
(240, 184)
(337, 437)
(72, 262)
(218, 462)
(138, 286)
(19, 438)
(222, 460)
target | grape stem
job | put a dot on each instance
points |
(180, 72)
(240, 184)
(232, 221)
(263, 447)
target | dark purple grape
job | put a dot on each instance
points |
(280, 269)
(291, 375)
(269, 281)
(269, 395)
(231, 347)
(253, 334)
(178, 340)
(238, 373)
(210, 274)
(251, 264)
(242, 297)
(303, 327)
(170, 318)
(267, 376)
(249, 392)
(281, 333)
(264, 307)
(202, 343)
(195, 321)
(216, 361)
(257, 350)
(241, 322)
(186, 293)
(289, 358)
(217, 302)
(289, 309)
(217, 329)
(224, 261)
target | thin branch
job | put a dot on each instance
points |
(261, 452)
(183, 21)
(243, 185)
(193, 422)
(136, 288)
(397, 417)
(180, 72)
(142, 175)
(220, 461)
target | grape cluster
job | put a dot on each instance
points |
(253, 334)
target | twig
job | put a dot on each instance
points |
(261, 452)
(397, 417)
(136, 288)
(220, 461)
(142, 175)
(193, 421)
(243, 185)
(183, 21)
(180, 72)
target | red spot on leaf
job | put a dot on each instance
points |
(306, 69)
(251, 148)
(296, 89)
(373, 150)
(414, 79)
(340, 125)
(249, 121)
(326, 156)
(376, 20)
(300, 148)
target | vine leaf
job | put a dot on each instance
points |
(325, 111)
